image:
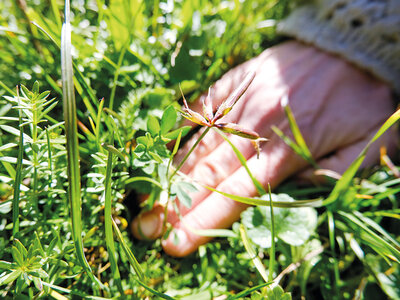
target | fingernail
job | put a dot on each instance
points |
(176, 244)
(147, 226)
(179, 237)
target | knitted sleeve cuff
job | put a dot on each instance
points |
(365, 32)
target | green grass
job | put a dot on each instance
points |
(72, 165)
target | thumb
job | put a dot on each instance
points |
(338, 163)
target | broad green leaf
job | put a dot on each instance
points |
(292, 225)
(168, 119)
(156, 157)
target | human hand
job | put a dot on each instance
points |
(338, 108)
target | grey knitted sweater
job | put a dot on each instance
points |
(365, 32)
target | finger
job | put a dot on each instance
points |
(209, 170)
(211, 141)
(214, 168)
(217, 211)
(148, 225)
(342, 158)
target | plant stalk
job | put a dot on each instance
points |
(72, 146)
(189, 152)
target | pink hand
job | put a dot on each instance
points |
(337, 107)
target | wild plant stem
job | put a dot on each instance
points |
(49, 156)
(18, 177)
(34, 124)
(176, 170)
(272, 249)
(116, 74)
(189, 152)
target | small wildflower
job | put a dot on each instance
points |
(209, 119)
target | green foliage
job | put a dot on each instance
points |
(277, 293)
(293, 226)
(134, 55)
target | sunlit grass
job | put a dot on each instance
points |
(134, 55)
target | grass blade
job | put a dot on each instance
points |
(298, 137)
(132, 259)
(142, 178)
(162, 296)
(72, 146)
(108, 224)
(272, 249)
(80, 79)
(376, 242)
(260, 189)
(248, 291)
(343, 183)
(250, 250)
(256, 201)
(72, 292)
(98, 120)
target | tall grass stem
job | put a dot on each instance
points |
(72, 146)
(108, 224)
